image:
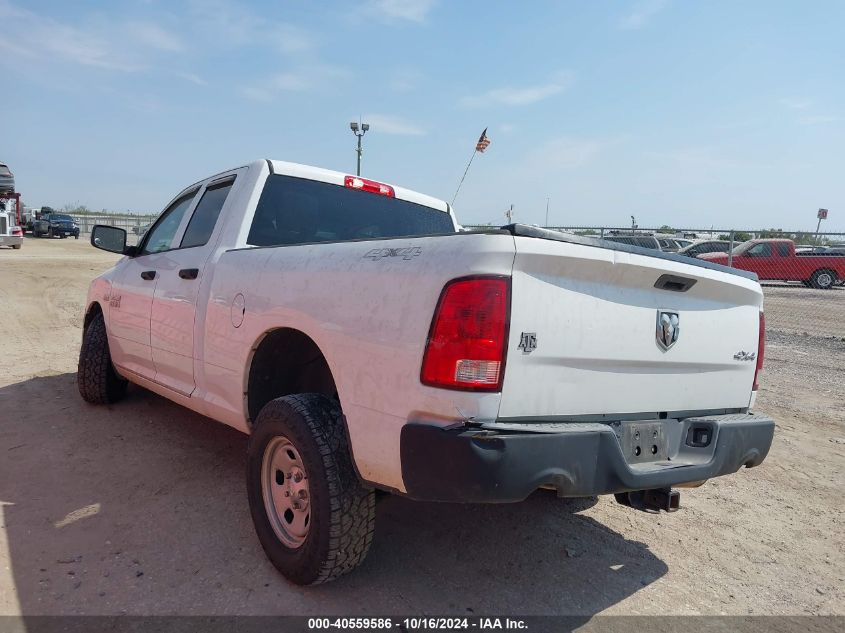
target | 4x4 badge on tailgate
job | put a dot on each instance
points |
(667, 328)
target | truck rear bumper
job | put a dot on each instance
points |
(10, 240)
(502, 463)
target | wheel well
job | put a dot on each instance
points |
(287, 361)
(93, 310)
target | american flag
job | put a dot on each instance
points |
(483, 142)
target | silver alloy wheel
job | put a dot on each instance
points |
(824, 280)
(284, 487)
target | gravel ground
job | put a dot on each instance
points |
(140, 507)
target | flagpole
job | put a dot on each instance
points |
(464, 176)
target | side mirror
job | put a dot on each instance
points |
(109, 238)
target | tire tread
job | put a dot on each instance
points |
(96, 379)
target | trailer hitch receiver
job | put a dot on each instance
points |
(652, 500)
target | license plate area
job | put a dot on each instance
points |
(644, 442)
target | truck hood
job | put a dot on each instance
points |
(716, 258)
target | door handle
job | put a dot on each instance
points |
(149, 275)
(189, 273)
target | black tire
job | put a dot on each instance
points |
(50, 233)
(76, 237)
(16, 246)
(823, 279)
(95, 376)
(342, 509)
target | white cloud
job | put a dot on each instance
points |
(405, 80)
(517, 96)
(386, 124)
(292, 39)
(156, 37)
(641, 14)
(796, 104)
(818, 119)
(409, 10)
(234, 25)
(96, 42)
(306, 78)
(192, 78)
(566, 153)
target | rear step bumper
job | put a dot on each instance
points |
(575, 458)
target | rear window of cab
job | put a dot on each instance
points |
(301, 211)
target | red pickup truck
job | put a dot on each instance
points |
(776, 259)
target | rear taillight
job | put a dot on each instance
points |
(761, 351)
(356, 182)
(466, 343)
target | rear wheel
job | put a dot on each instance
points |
(16, 246)
(823, 279)
(96, 378)
(313, 516)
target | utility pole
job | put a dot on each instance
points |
(546, 225)
(360, 134)
(509, 215)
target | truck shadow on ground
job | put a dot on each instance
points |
(140, 508)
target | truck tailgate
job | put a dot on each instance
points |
(594, 313)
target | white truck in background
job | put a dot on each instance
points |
(365, 344)
(11, 234)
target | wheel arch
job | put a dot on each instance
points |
(93, 310)
(286, 361)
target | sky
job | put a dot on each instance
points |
(697, 114)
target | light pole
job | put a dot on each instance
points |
(359, 132)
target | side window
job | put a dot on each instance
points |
(205, 215)
(760, 250)
(783, 250)
(160, 236)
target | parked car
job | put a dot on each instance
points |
(641, 240)
(776, 259)
(667, 244)
(705, 246)
(7, 179)
(365, 343)
(141, 229)
(55, 225)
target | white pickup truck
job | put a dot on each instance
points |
(365, 343)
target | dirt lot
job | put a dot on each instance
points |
(140, 507)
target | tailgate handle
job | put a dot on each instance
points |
(673, 283)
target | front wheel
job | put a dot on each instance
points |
(96, 378)
(314, 518)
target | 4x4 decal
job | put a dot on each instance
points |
(405, 253)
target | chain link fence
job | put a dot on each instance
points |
(133, 225)
(802, 273)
